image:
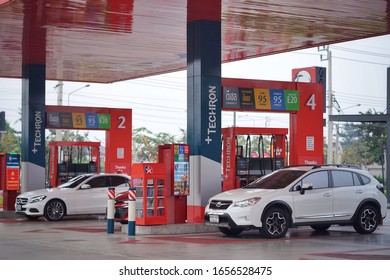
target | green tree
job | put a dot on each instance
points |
(145, 144)
(68, 135)
(182, 139)
(364, 143)
(254, 144)
(10, 141)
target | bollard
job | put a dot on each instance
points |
(110, 210)
(131, 212)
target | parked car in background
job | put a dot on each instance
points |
(121, 207)
(318, 196)
(82, 195)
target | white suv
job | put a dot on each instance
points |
(317, 196)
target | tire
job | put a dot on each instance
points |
(54, 210)
(367, 219)
(32, 218)
(230, 231)
(320, 227)
(275, 223)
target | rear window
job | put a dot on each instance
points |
(276, 180)
(365, 179)
(356, 180)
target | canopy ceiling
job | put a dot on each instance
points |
(111, 40)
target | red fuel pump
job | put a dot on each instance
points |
(243, 163)
(69, 159)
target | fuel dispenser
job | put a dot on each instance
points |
(69, 159)
(9, 179)
(244, 163)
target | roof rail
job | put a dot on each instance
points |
(315, 166)
(301, 165)
(341, 165)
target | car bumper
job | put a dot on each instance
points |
(34, 209)
(239, 217)
(224, 220)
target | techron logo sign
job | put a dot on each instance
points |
(212, 114)
(211, 122)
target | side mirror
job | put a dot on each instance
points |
(85, 186)
(305, 187)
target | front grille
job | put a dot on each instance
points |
(220, 204)
(21, 201)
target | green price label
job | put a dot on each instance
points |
(291, 98)
(104, 121)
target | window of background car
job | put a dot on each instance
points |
(74, 182)
(98, 182)
(117, 181)
(318, 180)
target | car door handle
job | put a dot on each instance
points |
(359, 191)
(327, 195)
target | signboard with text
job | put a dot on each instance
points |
(181, 170)
(78, 120)
(12, 172)
(303, 101)
(260, 99)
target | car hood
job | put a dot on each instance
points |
(240, 194)
(47, 192)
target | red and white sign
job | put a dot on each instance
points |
(132, 194)
(111, 193)
(13, 181)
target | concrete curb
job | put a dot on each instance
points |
(171, 229)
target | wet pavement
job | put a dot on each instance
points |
(86, 238)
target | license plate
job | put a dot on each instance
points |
(18, 207)
(214, 218)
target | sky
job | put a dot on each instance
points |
(159, 102)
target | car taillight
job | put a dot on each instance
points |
(381, 188)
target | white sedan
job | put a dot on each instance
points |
(84, 194)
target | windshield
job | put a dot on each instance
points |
(74, 182)
(276, 180)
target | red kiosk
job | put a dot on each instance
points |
(162, 188)
(150, 182)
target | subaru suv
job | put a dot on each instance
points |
(317, 196)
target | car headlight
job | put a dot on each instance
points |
(36, 199)
(247, 202)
